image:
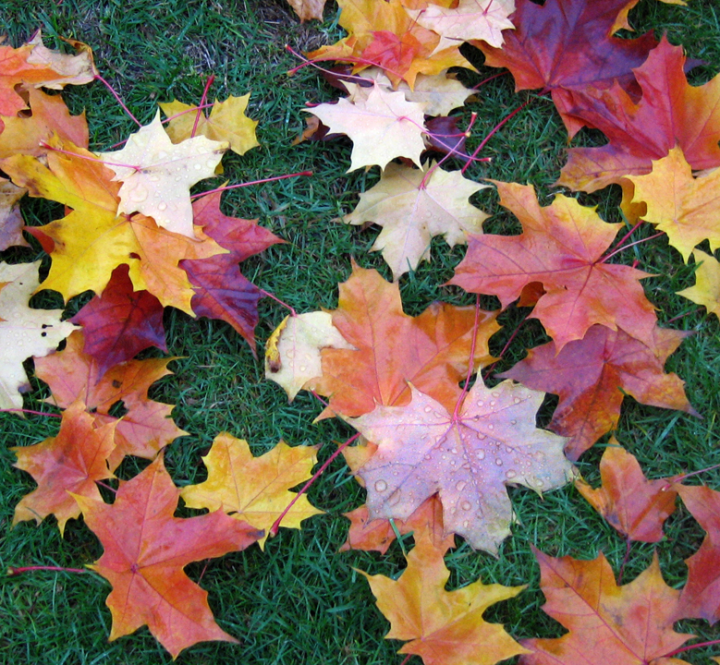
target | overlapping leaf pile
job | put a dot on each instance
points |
(437, 451)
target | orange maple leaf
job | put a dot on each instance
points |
(628, 625)
(146, 549)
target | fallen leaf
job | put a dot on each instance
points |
(146, 549)
(145, 428)
(706, 291)
(413, 206)
(292, 353)
(632, 504)
(227, 123)
(24, 332)
(445, 627)
(121, 322)
(566, 45)
(308, 9)
(432, 350)
(627, 625)
(701, 595)
(561, 247)
(593, 375)
(156, 175)
(686, 208)
(255, 490)
(70, 462)
(11, 220)
(467, 456)
(382, 127)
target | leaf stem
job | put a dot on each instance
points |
(36, 413)
(692, 646)
(209, 82)
(682, 316)
(90, 159)
(632, 244)
(277, 300)
(117, 98)
(276, 525)
(489, 368)
(679, 479)
(489, 78)
(14, 572)
(453, 151)
(252, 182)
(471, 361)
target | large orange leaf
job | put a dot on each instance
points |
(561, 247)
(145, 428)
(628, 625)
(632, 504)
(468, 456)
(593, 375)
(255, 490)
(445, 627)
(432, 351)
(70, 462)
(146, 549)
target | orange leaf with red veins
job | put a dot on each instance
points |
(566, 45)
(383, 34)
(145, 428)
(308, 9)
(623, 625)
(70, 462)
(592, 376)
(146, 549)
(467, 456)
(562, 247)
(670, 112)
(445, 627)
(431, 351)
(35, 65)
(24, 134)
(701, 595)
(632, 504)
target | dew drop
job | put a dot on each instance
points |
(496, 395)
(198, 167)
(380, 485)
(139, 194)
(210, 163)
(511, 474)
(491, 426)
(461, 486)
(539, 482)
(162, 206)
(481, 403)
(499, 462)
(516, 400)
(480, 454)
(394, 498)
(466, 524)
(428, 409)
(466, 505)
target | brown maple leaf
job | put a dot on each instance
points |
(444, 627)
(632, 504)
(431, 350)
(70, 462)
(467, 456)
(146, 549)
(561, 247)
(593, 375)
(628, 625)
(146, 426)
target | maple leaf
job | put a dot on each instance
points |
(383, 34)
(706, 291)
(566, 45)
(592, 376)
(413, 207)
(35, 65)
(91, 241)
(146, 549)
(227, 123)
(146, 426)
(292, 353)
(686, 208)
(701, 595)
(445, 627)
(70, 462)
(24, 332)
(632, 504)
(158, 174)
(120, 323)
(470, 19)
(221, 291)
(308, 9)
(11, 221)
(382, 126)
(26, 134)
(628, 625)
(254, 489)
(670, 112)
(561, 247)
(432, 350)
(467, 457)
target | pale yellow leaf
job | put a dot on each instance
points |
(706, 291)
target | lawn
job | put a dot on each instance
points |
(301, 600)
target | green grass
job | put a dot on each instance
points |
(300, 601)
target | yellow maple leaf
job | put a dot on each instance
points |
(254, 489)
(227, 122)
(706, 291)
